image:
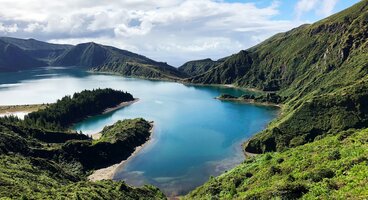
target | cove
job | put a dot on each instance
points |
(195, 135)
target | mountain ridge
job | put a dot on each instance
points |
(97, 57)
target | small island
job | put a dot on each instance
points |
(72, 109)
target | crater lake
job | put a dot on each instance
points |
(195, 136)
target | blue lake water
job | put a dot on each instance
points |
(195, 136)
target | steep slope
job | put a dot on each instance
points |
(109, 59)
(44, 51)
(196, 67)
(319, 70)
(13, 58)
(287, 58)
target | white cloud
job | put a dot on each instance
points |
(8, 28)
(167, 30)
(32, 27)
(320, 7)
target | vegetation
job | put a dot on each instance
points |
(35, 178)
(194, 68)
(117, 143)
(71, 109)
(270, 98)
(334, 167)
(123, 130)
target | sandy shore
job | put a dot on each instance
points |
(127, 103)
(109, 172)
(21, 108)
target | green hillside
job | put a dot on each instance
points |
(196, 67)
(320, 72)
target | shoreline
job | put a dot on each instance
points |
(246, 89)
(247, 101)
(121, 105)
(97, 136)
(109, 172)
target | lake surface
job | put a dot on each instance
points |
(195, 136)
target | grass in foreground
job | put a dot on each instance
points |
(334, 167)
(30, 178)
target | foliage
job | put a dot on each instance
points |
(194, 68)
(117, 143)
(71, 109)
(33, 178)
(123, 130)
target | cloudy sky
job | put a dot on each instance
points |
(173, 31)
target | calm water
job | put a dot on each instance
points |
(195, 135)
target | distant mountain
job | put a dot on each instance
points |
(14, 58)
(30, 53)
(103, 58)
(196, 67)
(43, 51)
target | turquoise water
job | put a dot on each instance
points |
(195, 135)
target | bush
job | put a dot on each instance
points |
(320, 174)
(334, 155)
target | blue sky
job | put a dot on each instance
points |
(173, 31)
(287, 8)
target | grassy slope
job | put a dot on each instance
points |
(123, 130)
(334, 167)
(32, 178)
(196, 67)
